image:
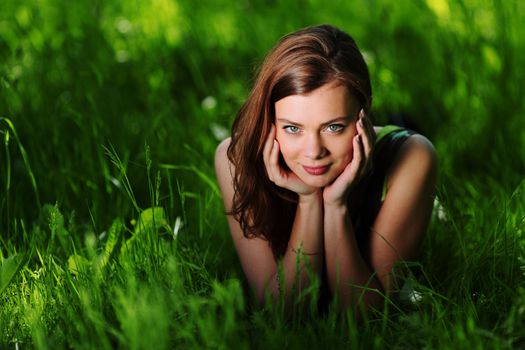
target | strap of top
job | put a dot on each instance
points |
(397, 135)
(369, 196)
(385, 130)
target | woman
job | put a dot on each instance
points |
(303, 175)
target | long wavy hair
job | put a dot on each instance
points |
(300, 63)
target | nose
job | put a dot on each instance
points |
(314, 147)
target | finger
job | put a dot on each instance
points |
(366, 148)
(360, 159)
(363, 116)
(366, 137)
(355, 164)
(366, 127)
(351, 171)
(274, 163)
(363, 157)
(369, 127)
(372, 141)
(268, 145)
(366, 123)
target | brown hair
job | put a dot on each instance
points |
(300, 63)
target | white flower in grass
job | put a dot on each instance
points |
(15, 72)
(209, 102)
(122, 56)
(176, 228)
(415, 296)
(115, 182)
(102, 235)
(408, 293)
(123, 25)
(219, 131)
(439, 211)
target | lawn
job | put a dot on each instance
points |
(112, 232)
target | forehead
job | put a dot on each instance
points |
(325, 103)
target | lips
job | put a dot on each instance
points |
(318, 170)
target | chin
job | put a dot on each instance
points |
(318, 181)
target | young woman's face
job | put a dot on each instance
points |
(315, 132)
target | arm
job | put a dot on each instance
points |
(306, 233)
(403, 219)
(345, 265)
(255, 254)
(396, 232)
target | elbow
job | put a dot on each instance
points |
(265, 293)
(261, 297)
(271, 296)
(363, 301)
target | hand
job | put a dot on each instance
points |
(279, 176)
(363, 143)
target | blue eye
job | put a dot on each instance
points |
(335, 127)
(291, 129)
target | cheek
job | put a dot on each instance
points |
(285, 146)
(348, 156)
(345, 153)
(343, 146)
(288, 150)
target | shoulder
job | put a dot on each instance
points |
(221, 151)
(418, 149)
(222, 148)
(414, 148)
(221, 156)
(416, 160)
(224, 169)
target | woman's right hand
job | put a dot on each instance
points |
(279, 176)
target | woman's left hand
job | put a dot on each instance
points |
(363, 144)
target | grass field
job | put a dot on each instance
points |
(112, 226)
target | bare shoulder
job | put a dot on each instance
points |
(404, 216)
(224, 171)
(222, 163)
(416, 158)
(255, 254)
(419, 149)
(221, 151)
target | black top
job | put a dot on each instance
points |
(368, 196)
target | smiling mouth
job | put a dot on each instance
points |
(318, 170)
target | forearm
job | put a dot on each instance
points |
(304, 251)
(349, 276)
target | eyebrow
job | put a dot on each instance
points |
(345, 118)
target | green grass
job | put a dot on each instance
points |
(112, 227)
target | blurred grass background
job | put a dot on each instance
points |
(111, 107)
